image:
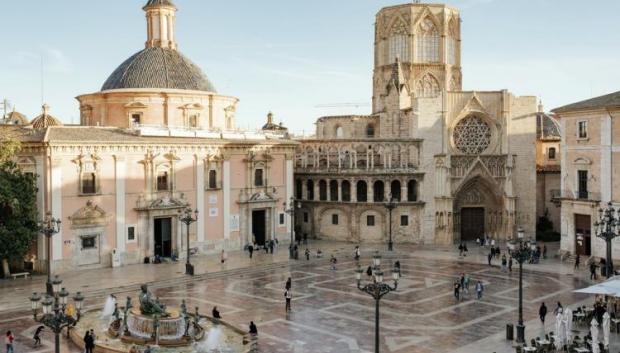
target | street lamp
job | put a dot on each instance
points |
(48, 227)
(521, 252)
(290, 210)
(377, 289)
(607, 228)
(390, 205)
(54, 310)
(186, 217)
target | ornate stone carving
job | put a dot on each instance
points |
(90, 215)
(472, 197)
(472, 135)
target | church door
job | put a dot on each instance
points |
(258, 226)
(472, 223)
(163, 237)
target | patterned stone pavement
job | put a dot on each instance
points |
(331, 315)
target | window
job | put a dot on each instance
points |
(582, 129)
(362, 191)
(89, 183)
(162, 180)
(378, 191)
(452, 42)
(582, 183)
(212, 179)
(551, 153)
(427, 44)
(412, 191)
(298, 189)
(370, 130)
(395, 190)
(370, 220)
(306, 217)
(427, 86)
(136, 118)
(346, 190)
(258, 177)
(281, 218)
(333, 190)
(310, 187)
(404, 220)
(398, 44)
(193, 120)
(335, 219)
(89, 242)
(322, 190)
(339, 132)
(131, 233)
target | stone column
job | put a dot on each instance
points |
(56, 208)
(339, 190)
(226, 195)
(200, 198)
(119, 166)
(353, 190)
(289, 192)
(370, 190)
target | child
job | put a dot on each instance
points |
(333, 262)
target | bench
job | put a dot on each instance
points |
(20, 274)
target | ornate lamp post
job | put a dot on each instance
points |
(377, 289)
(290, 210)
(390, 205)
(521, 252)
(54, 309)
(48, 227)
(607, 228)
(186, 217)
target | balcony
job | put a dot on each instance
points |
(579, 195)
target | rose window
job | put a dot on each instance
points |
(472, 135)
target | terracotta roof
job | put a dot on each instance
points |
(22, 133)
(15, 118)
(45, 119)
(547, 127)
(158, 68)
(611, 100)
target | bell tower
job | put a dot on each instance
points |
(160, 18)
(426, 40)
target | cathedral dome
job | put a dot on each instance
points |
(157, 67)
(45, 120)
(15, 118)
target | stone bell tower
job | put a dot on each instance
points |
(426, 40)
(160, 18)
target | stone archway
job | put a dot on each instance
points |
(478, 209)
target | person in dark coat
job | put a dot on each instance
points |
(369, 271)
(250, 250)
(89, 342)
(288, 284)
(490, 257)
(37, 335)
(593, 271)
(577, 260)
(216, 313)
(253, 329)
(542, 312)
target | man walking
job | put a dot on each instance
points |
(250, 250)
(510, 264)
(357, 253)
(479, 290)
(593, 271)
(490, 257)
(504, 263)
(288, 296)
(8, 341)
(457, 290)
(466, 284)
(542, 312)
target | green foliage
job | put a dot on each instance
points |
(18, 210)
(544, 229)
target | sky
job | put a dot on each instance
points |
(295, 57)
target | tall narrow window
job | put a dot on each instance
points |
(551, 153)
(370, 220)
(162, 180)
(362, 191)
(335, 219)
(378, 191)
(346, 190)
(333, 190)
(322, 190)
(89, 183)
(310, 189)
(452, 45)
(427, 86)
(582, 176)
(395, 190)
(412, 191)
(212, 179)
(582, 129)
(398, 43)
(258, 177)
(193, 121)
(339, 132)
(427, 48)
(298, 189)
(370, 130)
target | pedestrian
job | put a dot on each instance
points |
(478, 241)
(542, 312)
(593, 271)
(504, 263)
(307, 254)
(223, 256)
(465, 249)
(544, 251)
(250, 250)
(558, 309)
(462, 281)
(253, 329)
(466, 283)
(457, 289)
(288, 284)
(89, 341)
(8, 340)
(266, 247)
(490, 257)
(288, 296)
(461, 249)
(479, 290)
(333, 261)
(216, 313)
(577, 262)
(148, 349)
(295, 252)
(497, 252)
(492, 252)
(357, 253)
(396, 267)
(369, 271)
(271, 246)
(510, 264)
(37, 335)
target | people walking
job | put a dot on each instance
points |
(577, 259)
(288, 284)
(466, 284)
(457, 290)
(544, 251)
(369, 271)
(396, 267)
(558, 309)
(461, 249)
(593, 271)
(510, 264)
(307, 252)
(223, 256)
(250, 250)
(462, 281)
(479, 290)
(37, 335)
(542, 312)
(504, 263)
(333, 261)
(357, 253)
(253, 329)
(465, 249)
(8, 341)
(288, 296)
(490, 257)
(89, 341)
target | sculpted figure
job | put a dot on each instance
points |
(148, 306)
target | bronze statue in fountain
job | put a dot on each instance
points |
(148, 306)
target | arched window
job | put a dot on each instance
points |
(452, 45)
(310, 187)
(370, 130)
(398, 43)
(395, 190)
(346, 190)
(362, 191)
(427, 86)
(212, 179)
(339, 132)
(322, 190)
(258, 177)
(412, 191)
(378, 191)
(333, 190)
(427, 43)
(298, 189)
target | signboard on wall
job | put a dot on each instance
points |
(213, 212)
(234, 223)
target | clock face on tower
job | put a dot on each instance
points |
(472, 135)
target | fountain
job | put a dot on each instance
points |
(162, 329)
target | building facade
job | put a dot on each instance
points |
(590, 158)
(156, 139)
(459, 164)
(547, 168)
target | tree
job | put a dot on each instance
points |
(18, 209)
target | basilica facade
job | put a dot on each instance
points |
(156, 139)
(459, 164)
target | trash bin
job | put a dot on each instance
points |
(510, 333)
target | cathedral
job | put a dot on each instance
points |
(457, 164)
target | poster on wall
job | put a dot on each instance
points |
(212, 199)
(213, 212)
(234, 223)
